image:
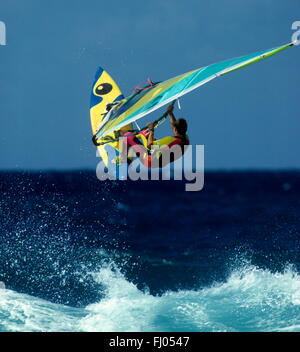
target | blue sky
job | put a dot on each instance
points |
(248, 119)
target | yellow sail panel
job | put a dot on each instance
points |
(105, 91)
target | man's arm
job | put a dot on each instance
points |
(150, 126)
(171, 117)
(150, 138)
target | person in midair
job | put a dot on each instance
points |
(155, 148)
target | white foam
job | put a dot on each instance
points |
(20, 312)
(251, 299)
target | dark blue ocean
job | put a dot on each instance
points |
(78, 254)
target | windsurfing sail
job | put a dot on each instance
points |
(155, 95)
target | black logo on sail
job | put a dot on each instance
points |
(103, 88)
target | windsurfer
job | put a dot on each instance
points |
(152, 151)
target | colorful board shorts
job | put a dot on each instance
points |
(140, 148)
